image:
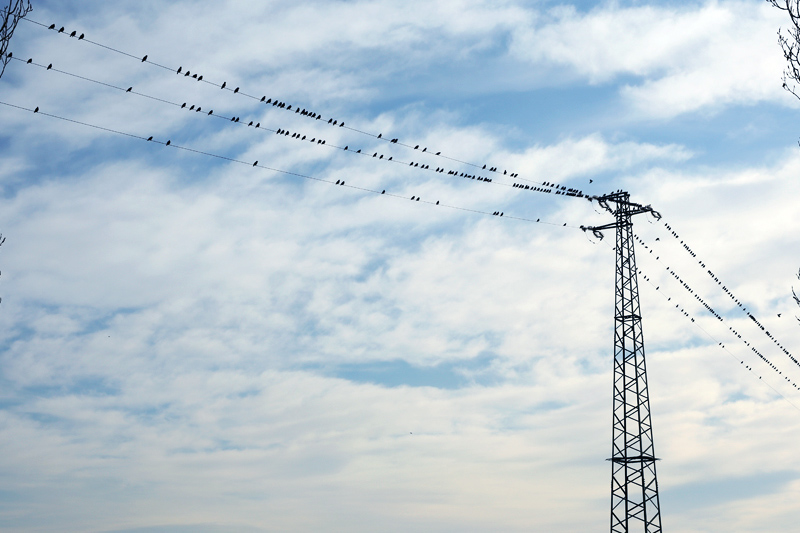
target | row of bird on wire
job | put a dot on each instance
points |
(733, 331)
(732, 296)
(547, 187)
(277, 103)
(711, 310)
(169, 143)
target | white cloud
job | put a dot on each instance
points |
(174, 325)
(685, 58)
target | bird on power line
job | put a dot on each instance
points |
(73, 34)
(144, 58)
(150, 138)
(129, 89)
(61, 30)
(52, 27)
(224, 83)
(49, 66)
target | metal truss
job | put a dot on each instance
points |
(634, 486)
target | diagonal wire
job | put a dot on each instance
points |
(169, 144)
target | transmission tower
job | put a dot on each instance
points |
(634, 487)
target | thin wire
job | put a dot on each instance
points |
(696, 324)
(732, 296)
(688, 289)
(169, 143)
(235, 120)
(145, 59)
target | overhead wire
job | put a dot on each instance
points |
(256, 164)
(728, 292)
(716, 315)
(682, 310)
(563, 190)
(548, 189)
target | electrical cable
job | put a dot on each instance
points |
(236, 120)
(313, 116)
(286, 172)
(714, 339)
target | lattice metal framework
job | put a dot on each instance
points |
(634, 487)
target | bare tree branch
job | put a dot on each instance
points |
(789, 40)
(11, 15)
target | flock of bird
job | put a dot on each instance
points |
(732, 296)
(711, 310)
(543, 187)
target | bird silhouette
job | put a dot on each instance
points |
(168, 142)
(150, 138)
(129, 89)
(49, 66)
(224, 83)
(200, 78)
(383, 191)
(236, 90)
(179, 70)
(73, 34)
(345, 147)
(210, 112)
(30, 61)
(416, 147)
(81, 37)
(52, 27)
(144, 58)
(36, 110)
(380, 135)
(61, 30)
(256, 163)
(184, 105)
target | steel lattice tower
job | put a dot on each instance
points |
(634, 487)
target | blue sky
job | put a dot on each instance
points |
(194, 344)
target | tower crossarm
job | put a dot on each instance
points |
(621, 206)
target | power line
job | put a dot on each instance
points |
(682, 310)
(256, 164)
(312, 115)
(691, 291)
(730, 294)
(548, 188)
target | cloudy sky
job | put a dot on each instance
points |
(193, 343)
